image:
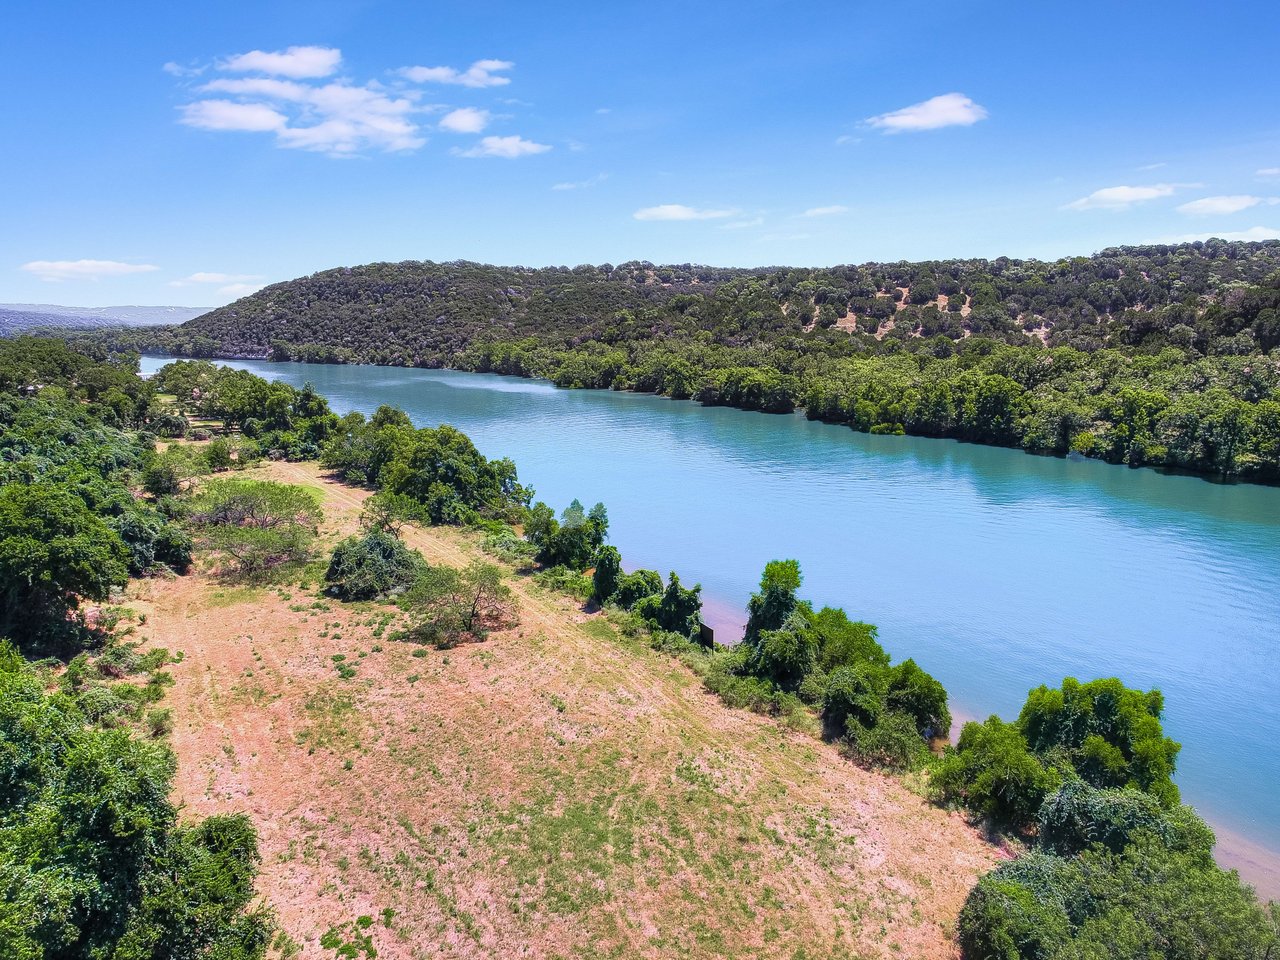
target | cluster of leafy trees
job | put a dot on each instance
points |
(93, 861)
(438, 468)
(1157, 355)
(1101, 732)
(1118, 867)
(674, 609)
(280, 420)
(444, 605)
(885, 715)
(71, 528)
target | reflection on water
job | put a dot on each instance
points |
(996, 570)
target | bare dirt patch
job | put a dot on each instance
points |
(557, 791)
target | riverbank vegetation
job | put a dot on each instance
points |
(1082, 779)
(1157, 355)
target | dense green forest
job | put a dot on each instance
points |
(95, 864)
(1156, 355)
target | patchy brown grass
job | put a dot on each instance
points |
(558, 791)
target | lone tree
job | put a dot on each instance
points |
(604, 582)
(260, 524)
(447, 606)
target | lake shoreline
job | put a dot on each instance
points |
(996, 573)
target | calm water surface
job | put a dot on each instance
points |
(996, 570)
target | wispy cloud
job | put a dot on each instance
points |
(595, 181)
(678, 211)
(1148, 167)
(296, 95)
(229, 115)
(229, 284)
(211, 277)
(54, 270)
(831, 211)
(1121, 198)
(482, 73)
(296, 62)
(183, 70)
(1268, 172)
(948, 110)
(1253, 233)
(847, 138)
(1215, 206)
(465, 120)
(506, 147)
(742, 224)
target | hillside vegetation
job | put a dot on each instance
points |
(1158, 355)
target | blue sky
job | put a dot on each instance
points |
(190, 152)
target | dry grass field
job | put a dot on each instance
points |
(556, 791)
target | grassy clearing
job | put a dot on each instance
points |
(562, 790)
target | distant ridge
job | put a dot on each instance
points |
(19, 317)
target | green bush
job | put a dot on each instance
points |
(1146, 903)
(606, 576)
(893, 743)
(373, 565)
(53, 551)
(1077, 816)
(1111, 733)
(676, 610)
(992, 771)
(853, 695)
(632, 587)
(447, 606)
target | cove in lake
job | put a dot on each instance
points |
(997, 571)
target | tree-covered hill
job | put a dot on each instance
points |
(1156, 355)
(428, 313)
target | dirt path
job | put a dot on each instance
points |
(558, 791)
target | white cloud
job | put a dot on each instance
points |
(742, 224)
(1213, 206)
(1253, 233)
(1268, 172)
(465, 120)
(507, 147)
(1120, 198)
(179, 70)
(479, 74)
(296, 97)
(847, 138)
(337, 118)
(678, 211)
(207, 277)
(603, 110)
(229, 115)
(598, 179)
(948, 110)
(240, 289)
(84, 269)
(1147, 167)
(830, 211)
(297, 62)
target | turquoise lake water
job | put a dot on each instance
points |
(995, 570)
